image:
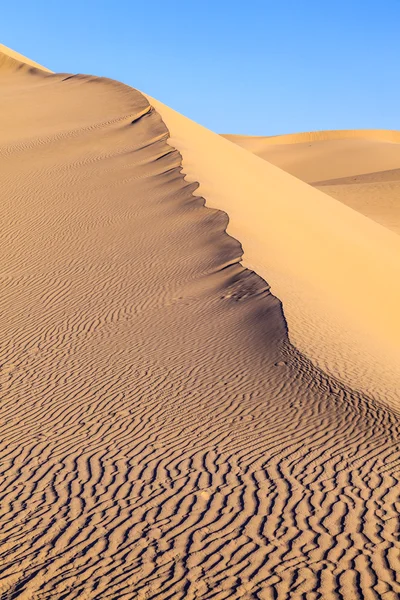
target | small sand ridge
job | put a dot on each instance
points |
(160, 437)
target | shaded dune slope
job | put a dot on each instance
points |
(358, 168)
(160, 438)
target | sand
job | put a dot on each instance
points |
(336, 273)
(160, 435)
(12, 61)
(360, 168)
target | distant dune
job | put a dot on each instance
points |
(322, 155)
(172, 426)
(359, 168)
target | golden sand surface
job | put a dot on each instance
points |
(161, 435)
(358, 167)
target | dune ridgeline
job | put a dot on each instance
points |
(199, 360)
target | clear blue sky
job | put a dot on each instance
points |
(255, 67)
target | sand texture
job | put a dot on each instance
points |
(160, 435)
(359, 168)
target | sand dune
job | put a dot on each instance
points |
(12, 61)
(323, 155)
(359, 168)
(160, 436)
(336, 272)
(375, 195)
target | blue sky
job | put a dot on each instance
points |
(258, 68)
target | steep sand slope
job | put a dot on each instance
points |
(359, 168)
(336, 272)
(160, 438)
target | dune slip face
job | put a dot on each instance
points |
(160, 437)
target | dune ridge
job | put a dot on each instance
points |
(160, 437)
(314, 136)
(11, 60)
(336, 272)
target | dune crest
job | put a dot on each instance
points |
(336, 272)
(11, 60)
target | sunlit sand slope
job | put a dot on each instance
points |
(359, 168)
(336, 272)
(159, 436)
